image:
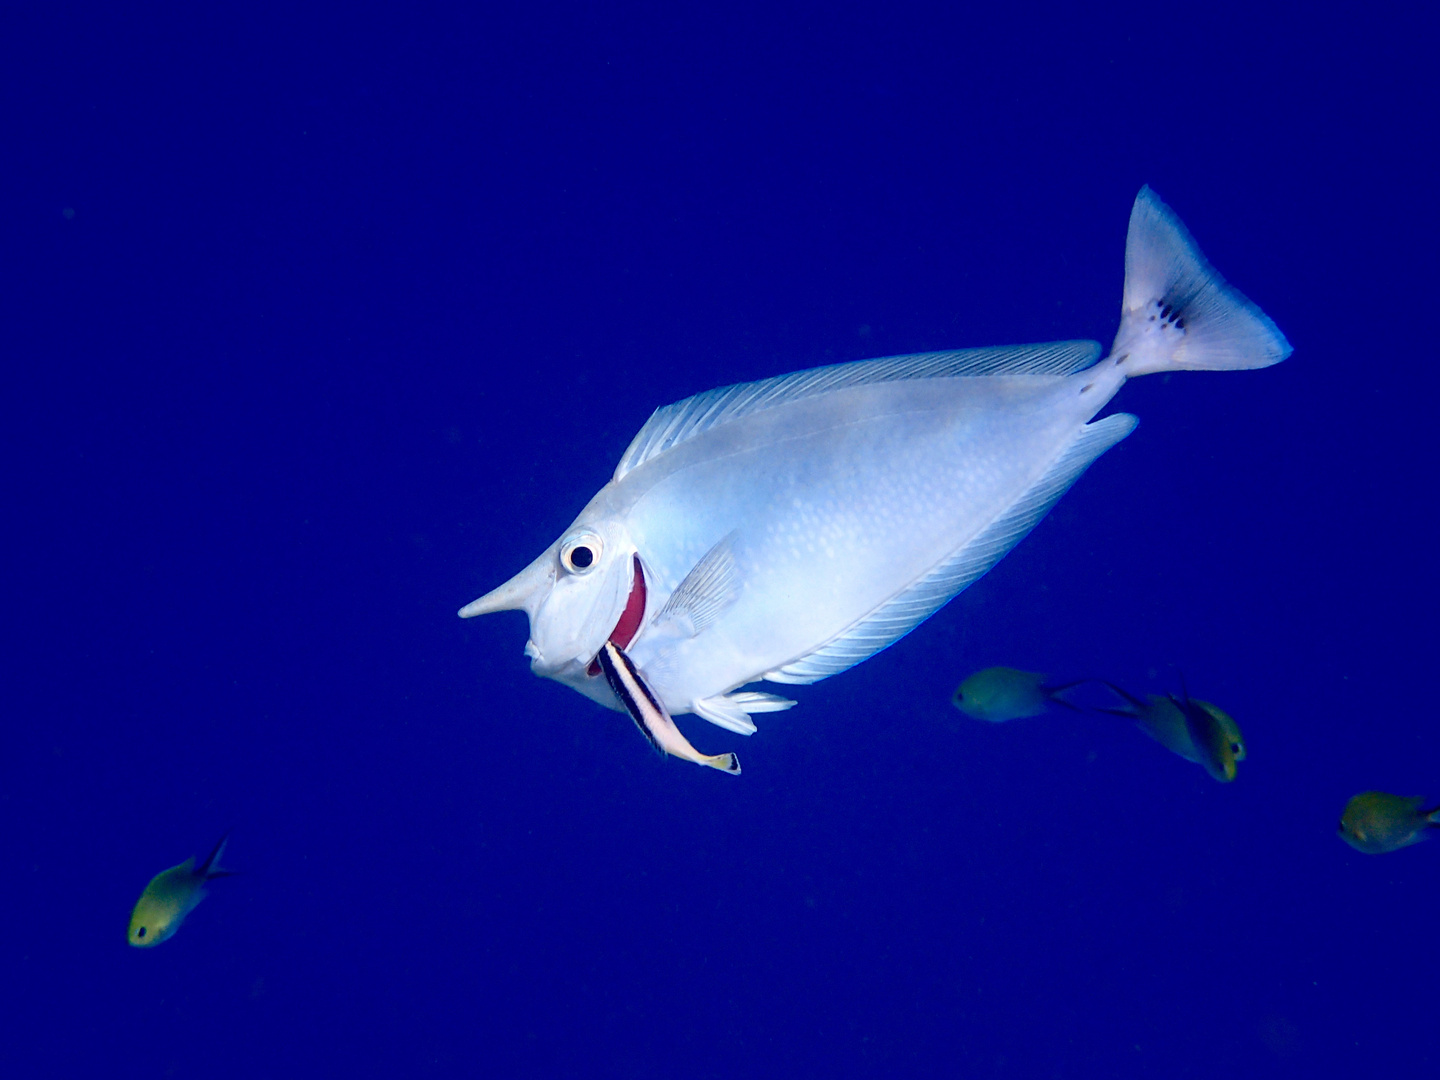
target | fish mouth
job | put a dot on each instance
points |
(628, 625)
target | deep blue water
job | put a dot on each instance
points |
(318, 325)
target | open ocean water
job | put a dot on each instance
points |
(318, 323)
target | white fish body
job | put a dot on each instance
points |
(785, 530)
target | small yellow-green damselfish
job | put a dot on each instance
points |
(1004, 693)
(1164, 720)
(171, 895)
(1375, 822)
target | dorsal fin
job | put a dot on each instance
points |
(673, 424)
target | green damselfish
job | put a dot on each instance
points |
(1376, 822)
(997, 694)
(1167, 721)
(171, 895)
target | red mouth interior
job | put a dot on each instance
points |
(629, 624)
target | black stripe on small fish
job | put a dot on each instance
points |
(630, 688)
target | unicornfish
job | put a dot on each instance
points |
(785, 530)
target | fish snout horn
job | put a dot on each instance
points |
(517, 594)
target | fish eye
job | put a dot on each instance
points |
(580, 553)
(140, 932)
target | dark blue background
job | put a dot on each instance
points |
(354, 312)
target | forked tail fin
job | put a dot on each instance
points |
(1178, 313)
(1055, 693)
(211, 868)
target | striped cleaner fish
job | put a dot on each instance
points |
(787, 529)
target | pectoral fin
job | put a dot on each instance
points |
(706, 592)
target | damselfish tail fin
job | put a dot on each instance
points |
(1055, 693)
(211, 868)
(1134, 702)
(1178, 313)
